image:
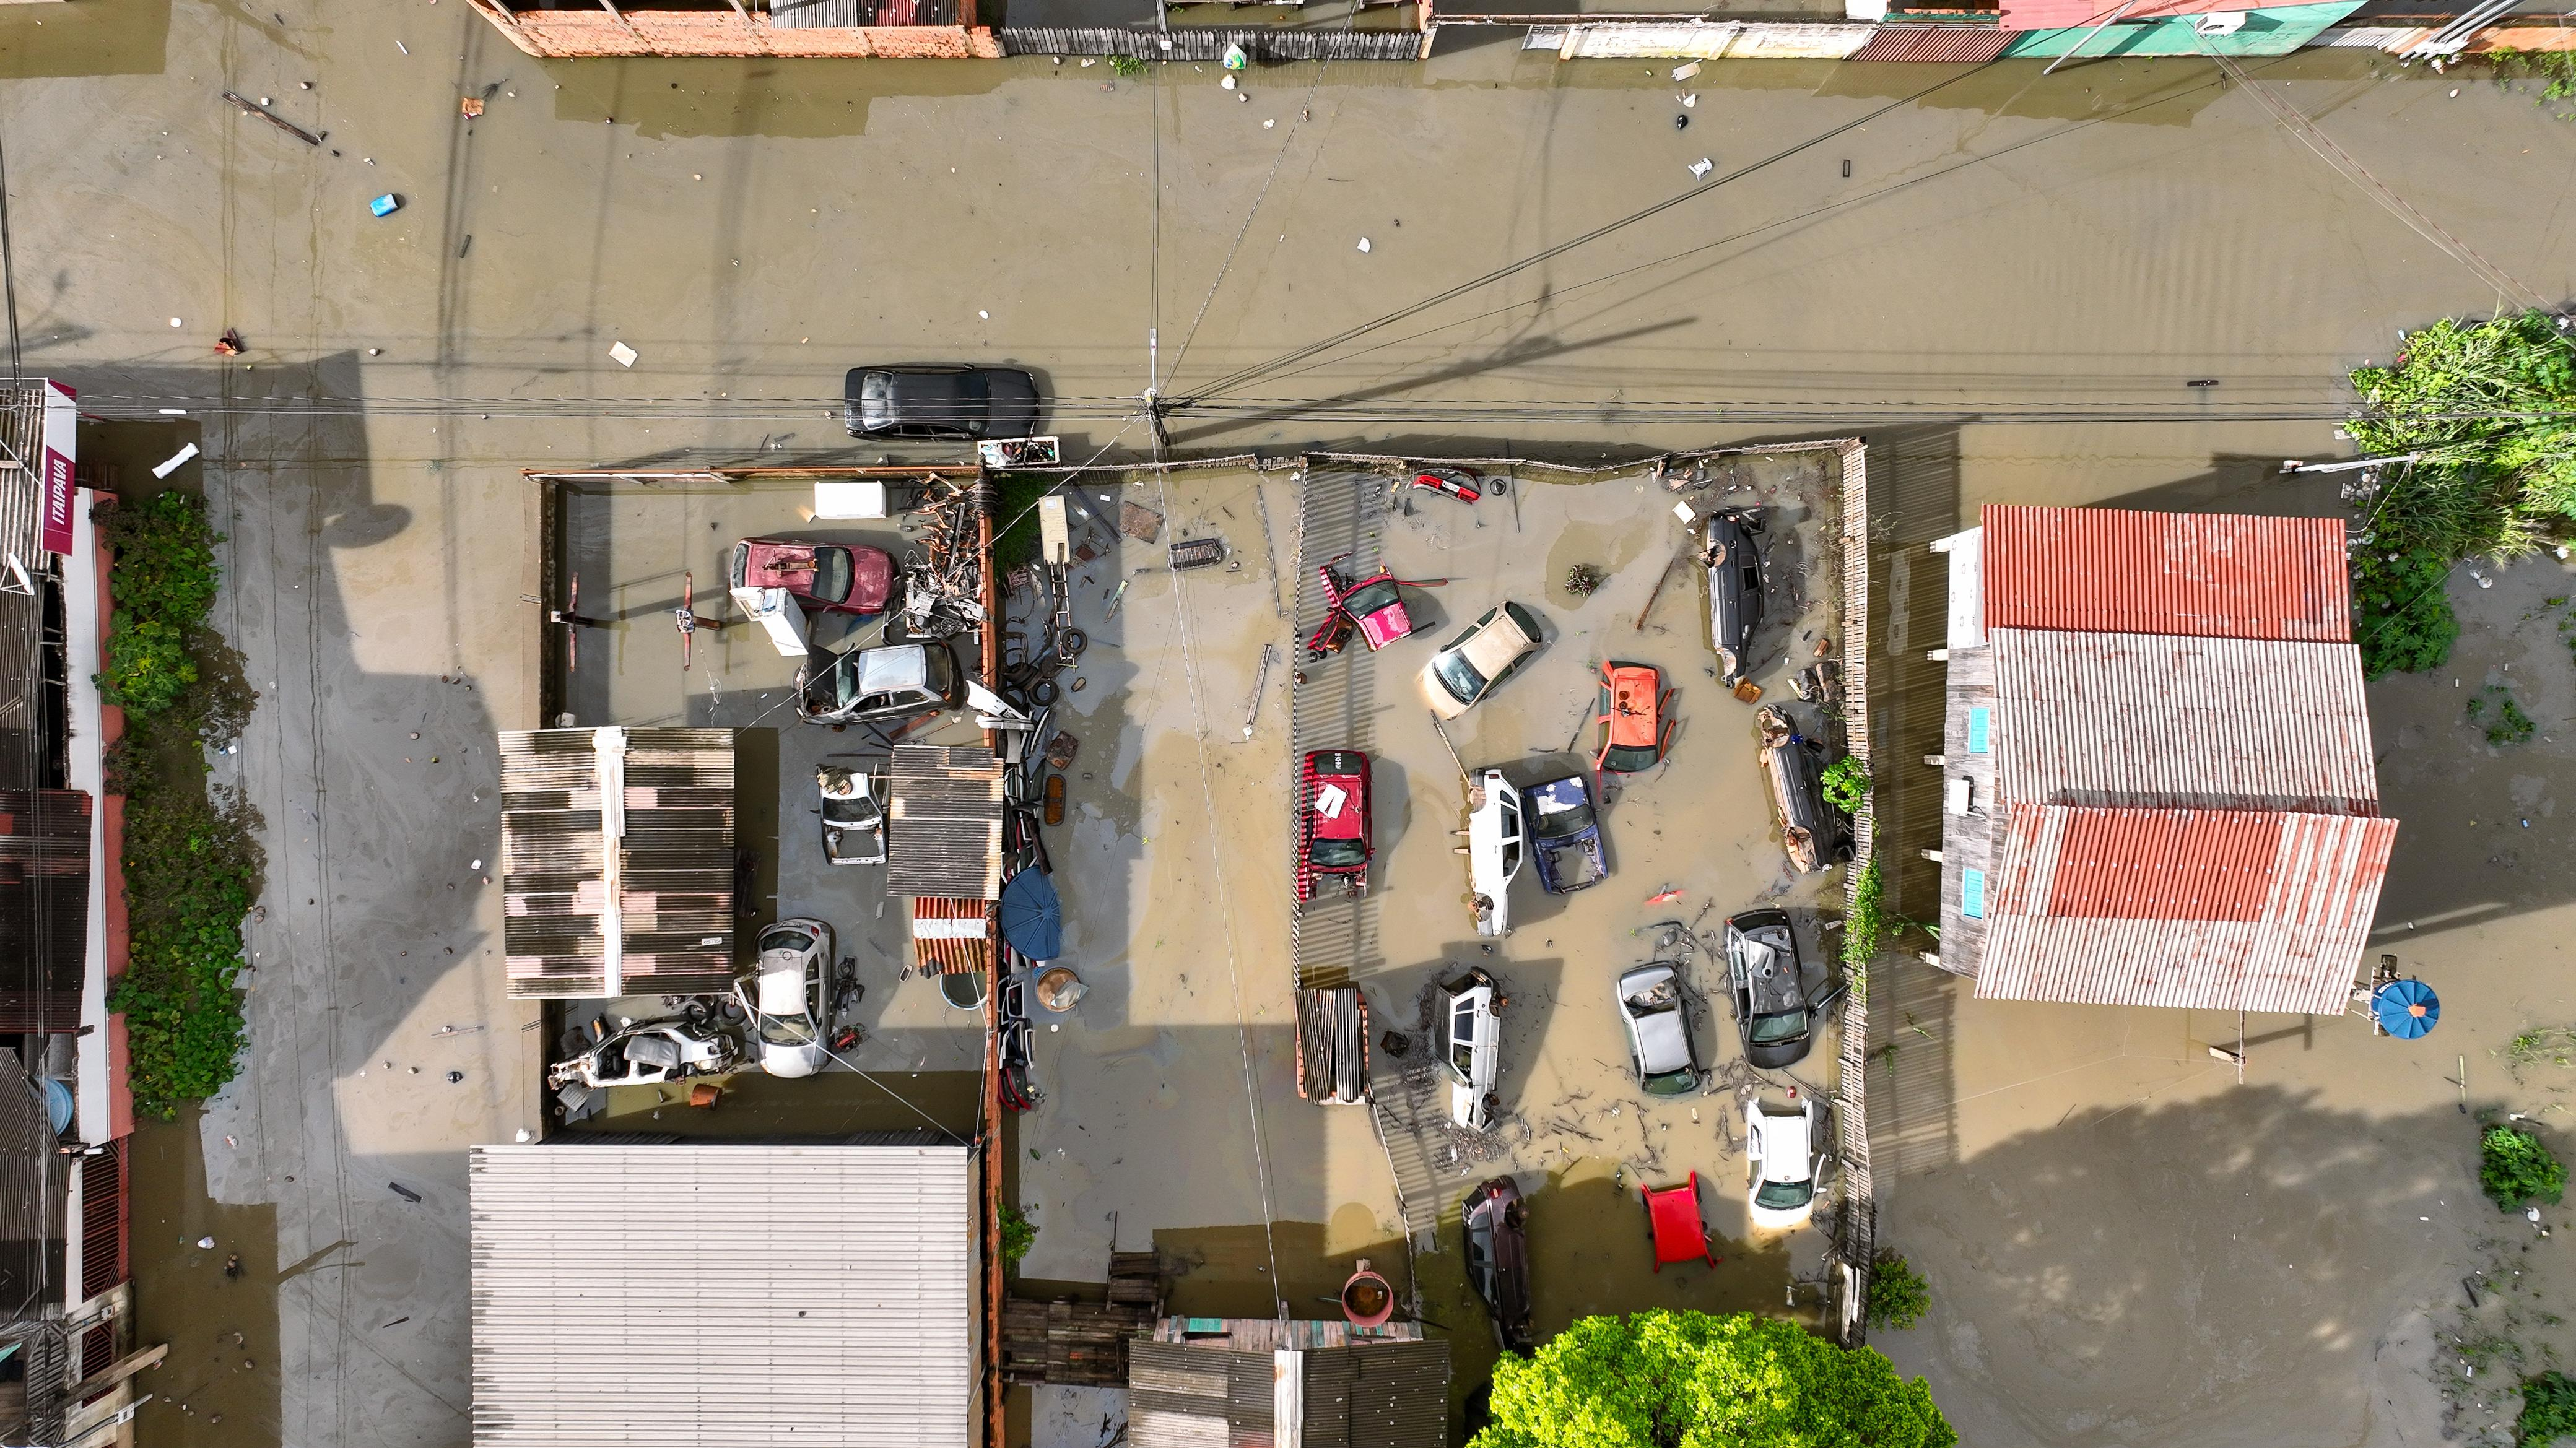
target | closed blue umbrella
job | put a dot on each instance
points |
(1032, 916)
(2406, 1008)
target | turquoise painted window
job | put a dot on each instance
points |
(1980, 722)
(1972, 894)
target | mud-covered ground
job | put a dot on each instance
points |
(2007, 291)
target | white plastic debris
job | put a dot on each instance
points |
(1364, 243)
(1683, 512)
(205, 1244)
(175, 461)
(624, 354)
(983, 315)
(1266, 125)
(1227, 83)
(478, 864)
(2531, 1215)
(1685, 72)
(1690, 100)
(1702, 166)
(175, 322)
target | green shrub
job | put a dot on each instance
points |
(2515, 1168)
(1126, 67)
(2401, 613)
(192, 863)
(2494, 709)
(2548, 1410)
(1019, 1234)
(1866, 923)
(148, 666)
(165, 558)
(1898, 1295)
(1846, 784)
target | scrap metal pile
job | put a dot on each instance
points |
(943, 593)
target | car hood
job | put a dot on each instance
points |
(791, 1060)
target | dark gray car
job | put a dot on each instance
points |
(1734, 565)
(968, 402)
(1767, 989)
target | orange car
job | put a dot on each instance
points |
(1634, 731)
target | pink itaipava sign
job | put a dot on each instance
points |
(62, 419)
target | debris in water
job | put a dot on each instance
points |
(207, 1244)
(1702, 166)
(1685, 72)
(624, 354)
(1664, 897)
(385, 205)
(404, 1192)
(470, 107)
(174, 462)
(1364, 243)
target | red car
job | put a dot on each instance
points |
(1333, 818)
(845, 578)
(1375, 603)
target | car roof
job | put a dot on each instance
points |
(893, 667)
(782, 983)
(1789, 1148)
(1636, 685)
(1663, 1041)
(1770, 966)
(1495, 642)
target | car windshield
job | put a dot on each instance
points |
(1458, 676)
(786, 1031)
(1672, 1083)
(1781, 1196)
(845, 680)
(1563, 812)
(1628, 758)
(832, 574)
(785, 938)
(1368, 598)
(1340, 854)
(1771, 1030)
(876, 400)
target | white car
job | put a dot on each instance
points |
(1471, 1046)
(1788, 1164)
(1494, 851)
(786, 996)
(1484, 654)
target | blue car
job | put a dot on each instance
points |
(1565, 835)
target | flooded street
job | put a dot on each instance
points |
(2006, 284)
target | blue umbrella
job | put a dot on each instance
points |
(2406, 1008)
(1032, 916)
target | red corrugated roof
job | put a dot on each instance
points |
(1938, 44)
(2257, 910)
(2062, 14)
(2218, 575)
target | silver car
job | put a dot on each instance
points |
(1656, 1010)
(787, 997)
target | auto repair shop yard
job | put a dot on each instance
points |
(1172, 1114)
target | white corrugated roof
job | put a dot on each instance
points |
(2168, 721)
(2207, 909)
(719, 1295)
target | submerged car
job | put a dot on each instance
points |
(1656, 1010)
(889, 681)
(648, 1053)
(1494, 1222)
(1788, 1164)
(1810, 833)
(1565, 834)
(1734, 567)
(1375, 604)
(842, 578)
(1495, 850)
(968, 402)
(1471, 1046)
(786, 996)
(1634, 729)
(1766, 989)
(1333, 842)
(1482, 656)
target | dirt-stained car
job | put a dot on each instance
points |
(1655, 1007)
(1768, 991)
(1495, 1224)
(1565, 835)
(1471, 1037)
(840, 577)
(968, 402)
(1482, 656)
(890, 681)
(1734, 565)
(787, 998)
(1635, 730)
(1788, 1163)
(1334, 841)
(1812, 834)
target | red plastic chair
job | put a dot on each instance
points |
(1672, 1219)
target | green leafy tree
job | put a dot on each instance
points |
(1019, 1234)
(1846, 784)
(1696, 1380)
(2515, 1168)
(1898, 1295)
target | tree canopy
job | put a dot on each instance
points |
(1697, 1380)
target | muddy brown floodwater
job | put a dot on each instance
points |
(2008, 291)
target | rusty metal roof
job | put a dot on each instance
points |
(2216, 575)
(2180, 722)
(1940, 44)
(944, 822)
(1371, 1395)
(2256, 910)
(647, 912)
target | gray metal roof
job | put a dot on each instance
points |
(722, 1295)
(944, 822)
(666, 926)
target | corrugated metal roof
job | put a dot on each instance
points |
(1375, 1395)
(44, 907)
(671, 928)
(720, 1295)
(2179, 722)
(1943, 44)
(2219, 910)
(2217, 575)
(944, 822)
(2066, 14)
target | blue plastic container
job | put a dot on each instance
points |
(385, 205)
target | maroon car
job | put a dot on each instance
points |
(846, 578)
